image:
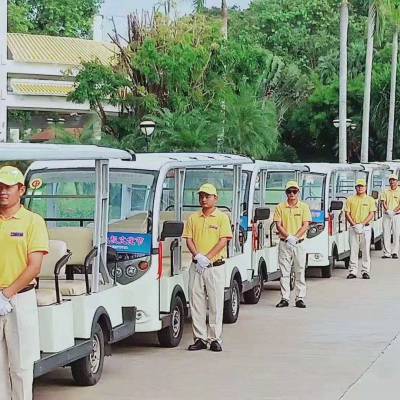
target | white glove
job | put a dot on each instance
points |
(5, 305)
(359, 228)
(202, 260)
(292, 240)
(199, 268)
(390, 213)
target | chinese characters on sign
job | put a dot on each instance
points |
(125, 242)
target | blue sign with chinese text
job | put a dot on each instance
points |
(318, 216)
(133, 243)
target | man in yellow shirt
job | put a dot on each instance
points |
(391, 219)
(292, 220)
(207, 233)
(360, 210)
(23, 242)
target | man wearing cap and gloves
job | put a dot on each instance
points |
(207, 233)
(292, 220)
(23, 242)
(391, 219)
(360, 210)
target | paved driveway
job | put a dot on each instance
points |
(339, 347)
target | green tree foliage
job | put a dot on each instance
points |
(53, 17)
(194, 84)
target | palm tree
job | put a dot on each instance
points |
(199, 5)
(224, 14)
(391, 10)
(344, 24)
(368, 79)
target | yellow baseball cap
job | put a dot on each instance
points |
(11, 176)
(393, 176)
(292, 184)
(361, 182)
(208, 188)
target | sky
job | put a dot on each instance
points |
(120, 8)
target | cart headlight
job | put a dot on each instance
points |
(117, 271)
(315, 229)
(131, 271)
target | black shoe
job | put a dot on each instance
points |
(215, 346)
(283, 303)
(198, 345)
(351, 276)
(395, 256)
(300, 304)
(386, 256)
(365, 276)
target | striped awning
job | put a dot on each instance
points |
(40, 87)
(58, 50)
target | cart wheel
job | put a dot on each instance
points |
(232, 306)
(171, 335)
(87, 371)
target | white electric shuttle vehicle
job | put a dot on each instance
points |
(377, 177)
(78, 318)
(264, 188)
(150, 199)
(325, 188)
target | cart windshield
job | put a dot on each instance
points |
(67, 197)
(313, 189)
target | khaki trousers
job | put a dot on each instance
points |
(288, 256)
(360, 242)
(391, 226)
(19, 347)
(207, 289)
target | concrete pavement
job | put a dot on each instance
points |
(343, 346)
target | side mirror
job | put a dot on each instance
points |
(171, 229)
(261, 214)
(336, 205)
(375, 194)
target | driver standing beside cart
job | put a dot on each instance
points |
(360, 210)
(391, 218)
(292, 220)
(23, 242)
(207, 233)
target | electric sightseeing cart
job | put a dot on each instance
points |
(78, 317)
(264, 190)
(325, 188)
(150, 198)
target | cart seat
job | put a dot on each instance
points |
(46, 292)
(78, 240)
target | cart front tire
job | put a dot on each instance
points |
(253, 295)
(171, 335)
(232, 306)
(87, 371)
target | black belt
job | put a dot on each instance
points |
(27, 288)
(214, 264)
(299, 241)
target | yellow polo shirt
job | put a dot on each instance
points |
(292, 218)
(206, 231)
(20, 235)
(392, 198)
(359, 207)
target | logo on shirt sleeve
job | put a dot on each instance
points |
(17, 234)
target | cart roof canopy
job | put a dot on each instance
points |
(275, 166)
(157, 161)
(42, 152)
(325, 168)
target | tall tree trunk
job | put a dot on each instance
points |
(395, 50)
(367, 85)
(344, 24)
(224, 14)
